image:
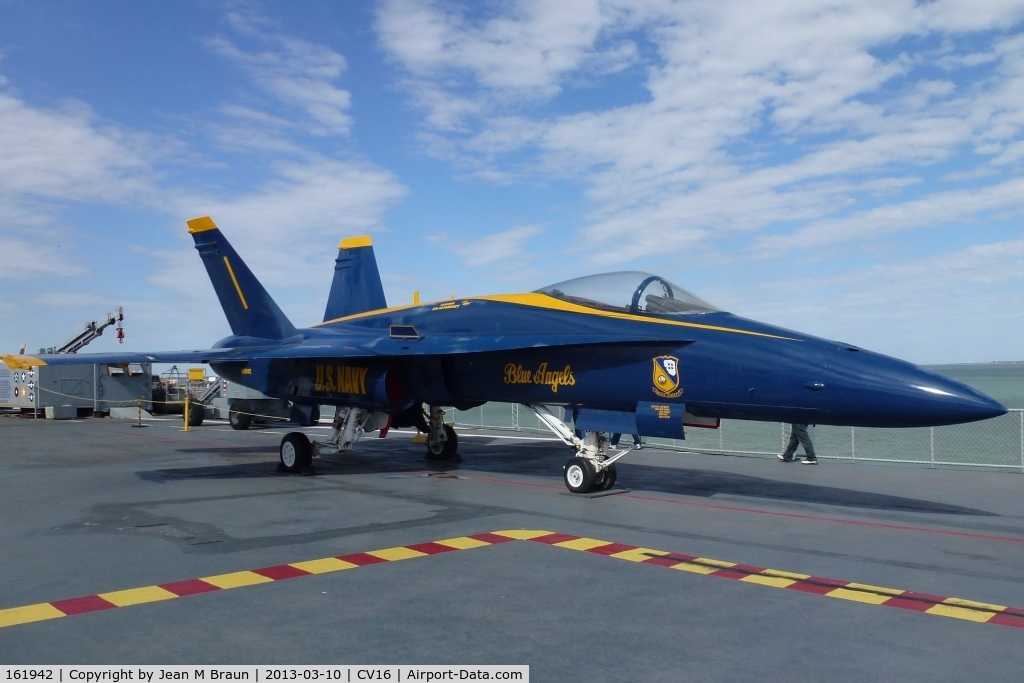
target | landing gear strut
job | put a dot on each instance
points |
(590, 469)
(442, 441)
(297, 452)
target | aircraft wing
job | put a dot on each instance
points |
(224, 355)
(379, 347)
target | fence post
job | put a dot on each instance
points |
(515, 417)
(931, 447)
(853, 443)
(721, 432)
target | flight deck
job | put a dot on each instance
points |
(126, 544)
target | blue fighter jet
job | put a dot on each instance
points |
(626, 352)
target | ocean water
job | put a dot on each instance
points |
(1002, 381)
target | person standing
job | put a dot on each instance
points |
(800, 437)
(636, 441)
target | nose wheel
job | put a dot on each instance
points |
(581, 476)
(605, 479)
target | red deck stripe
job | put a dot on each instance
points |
(89, 603)
(190, 587)
(924, 597)
(491, 538)
(431, 548)
(912, 605)
(805, 587)
(1006, 620)
(552, 539)
(730, 574)
(281, 571)
(679, 557)
(831, 583)
(661, 561)
(611, 549)
(360, 559)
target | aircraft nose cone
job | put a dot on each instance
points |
(924, 398)
(878, 391)
(951, 402)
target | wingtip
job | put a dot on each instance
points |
(21, 362)
(201, 224)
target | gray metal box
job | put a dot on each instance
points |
(60, 412)
(86, 386)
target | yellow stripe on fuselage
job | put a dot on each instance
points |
(537, 300)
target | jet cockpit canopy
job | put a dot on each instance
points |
(629, 291)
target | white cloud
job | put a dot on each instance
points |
(287, 231)
(760, 117)
(293, 72)
(529, 50)
(285, 215)
(304, 211)
(67, 154)
(500, 247)
(23, 259)
(969, 299)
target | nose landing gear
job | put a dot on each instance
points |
(590, 469)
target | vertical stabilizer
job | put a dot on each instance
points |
(356, 287)
(249, 309)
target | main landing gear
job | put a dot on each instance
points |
(297, 451)
(590, 469)
(442, 441)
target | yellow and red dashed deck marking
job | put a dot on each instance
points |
(956, 608)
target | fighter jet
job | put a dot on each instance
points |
(625, 352)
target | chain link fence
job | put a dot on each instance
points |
(996, 443)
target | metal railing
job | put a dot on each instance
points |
(997, 443)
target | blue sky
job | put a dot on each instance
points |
(849, 169)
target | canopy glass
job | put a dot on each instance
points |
(629, 292)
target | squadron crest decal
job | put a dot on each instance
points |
(666, 377)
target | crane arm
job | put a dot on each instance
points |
(92, 330)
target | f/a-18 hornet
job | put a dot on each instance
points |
(626, 352)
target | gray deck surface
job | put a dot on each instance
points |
(95, 506)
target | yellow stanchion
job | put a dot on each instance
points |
(186, 412)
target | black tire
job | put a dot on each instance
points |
(605, 479)
(295, 452)
(196, 413)
(238, 415)
(449, 450)
(578, 475)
